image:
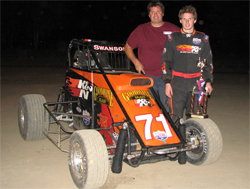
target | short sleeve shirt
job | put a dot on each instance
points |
(150, 42)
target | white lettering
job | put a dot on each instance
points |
(195, 49)
(84, 85)
(108, 48)
(84, 94)
(204, 142)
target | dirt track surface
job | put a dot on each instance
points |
(39, 164)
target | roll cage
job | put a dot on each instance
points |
(85, 54)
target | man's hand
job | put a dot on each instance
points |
(139, 67)
(168, 90)
(209, 88)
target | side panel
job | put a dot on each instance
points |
(82, 84)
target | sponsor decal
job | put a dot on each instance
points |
(85, 88)
(136, 94)
(86, 119)
(80, 88)
(164, 71)
(188, 49)
(196, 41)
(142, 102)
(108, 48)
(160, 135)
(103, 96)
(102, 121)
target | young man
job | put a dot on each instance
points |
(179, 59)
(149, 38)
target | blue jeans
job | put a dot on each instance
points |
(159, 87)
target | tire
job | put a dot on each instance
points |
(88, 159)
(209, 141)
(32, 118)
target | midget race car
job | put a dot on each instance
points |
(106, 115)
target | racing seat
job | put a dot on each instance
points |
(103, 59)
(80, 59)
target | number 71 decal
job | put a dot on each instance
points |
(148, 124)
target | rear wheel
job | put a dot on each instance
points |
(88, 159)
(32, 117)
(206, 135)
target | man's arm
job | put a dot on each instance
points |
(208, 70)
(167, 59)
(130, 53)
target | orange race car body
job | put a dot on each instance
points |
(120, 95)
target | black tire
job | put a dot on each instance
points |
(208, 137)
(88, 159)
(32, 118)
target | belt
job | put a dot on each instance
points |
(186, 75)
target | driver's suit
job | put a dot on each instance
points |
(179, 63)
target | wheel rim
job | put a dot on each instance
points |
(77, 160)
(22, 118)
(194, 135)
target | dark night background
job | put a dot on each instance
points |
(37, 33)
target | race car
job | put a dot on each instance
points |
(106, 114)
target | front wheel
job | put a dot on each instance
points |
(205, 134)
(32, 117)
(88, 159)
